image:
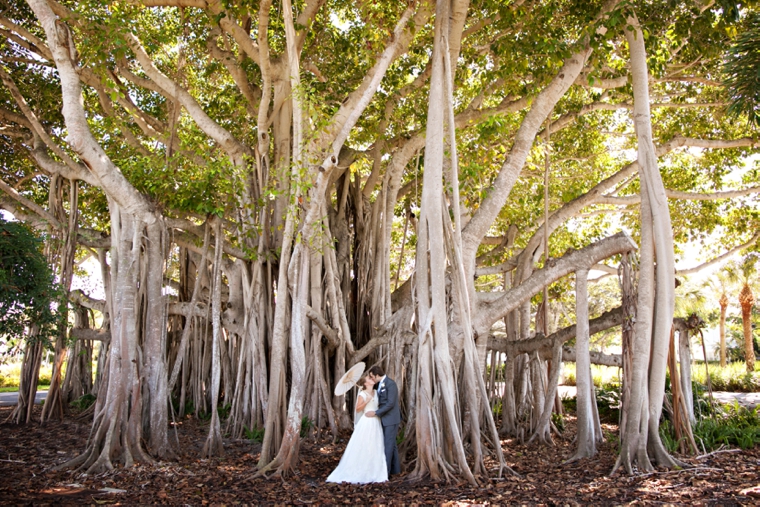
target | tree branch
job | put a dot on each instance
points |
(719, 258)
(544, 344)
(327, 331)
(350, 111)
(226, 140)
(33, 206)
(81, 140)
(491, 311)
(677, 194)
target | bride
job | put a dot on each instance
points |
(364, 458)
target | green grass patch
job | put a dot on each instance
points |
(733, 377)
(600, 374)
(10, 374)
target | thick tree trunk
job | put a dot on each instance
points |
(156, 391)
(78, 380)
(747, 301)
(214, 445)
(55, 406)
(439, 440)
(118, 423)
(586, 400)
(684, 360)
(29, 378)
(640, 439)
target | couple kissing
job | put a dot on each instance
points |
(371, 454)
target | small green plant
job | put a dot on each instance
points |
(254, 434)
(189, 407)
(84, 402)
(570, 404)
(400, 437)
(667, 436)
(497, 408)
(306, 425)
(224, 412)
(609, 401)
(558, 420)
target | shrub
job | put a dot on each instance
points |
(609, 400)
(497, 408)
(224, 412)
(254, 434)
(306, 425)
(10, 374)
(719, 426)
(558, 420)
(667, 436)
(29, 294)
(84, 402)
(732, 425)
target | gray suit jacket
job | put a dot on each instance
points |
(387, 403)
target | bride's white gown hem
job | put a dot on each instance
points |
(364, 458)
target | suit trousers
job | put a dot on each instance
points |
(391, 450)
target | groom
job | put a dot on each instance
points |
(389, 414)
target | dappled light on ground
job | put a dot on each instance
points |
(27, 455)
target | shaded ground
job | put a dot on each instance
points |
(27, 455)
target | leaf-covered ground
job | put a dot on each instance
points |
(28, 454)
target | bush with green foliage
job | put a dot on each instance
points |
(728, 426)
(609, 401)
(717, 425)
(733, 425)
(28, 292)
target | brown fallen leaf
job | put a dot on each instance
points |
(753, 492)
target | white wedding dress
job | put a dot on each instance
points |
(364, 458)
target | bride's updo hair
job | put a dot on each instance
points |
(362, 380)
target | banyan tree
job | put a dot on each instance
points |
(275, 191)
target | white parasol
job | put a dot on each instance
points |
(349, 380)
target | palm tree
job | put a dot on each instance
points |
(718, 284)
(742, 72)
(723, 302)
(743, 273)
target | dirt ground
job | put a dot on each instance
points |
(28, 454)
